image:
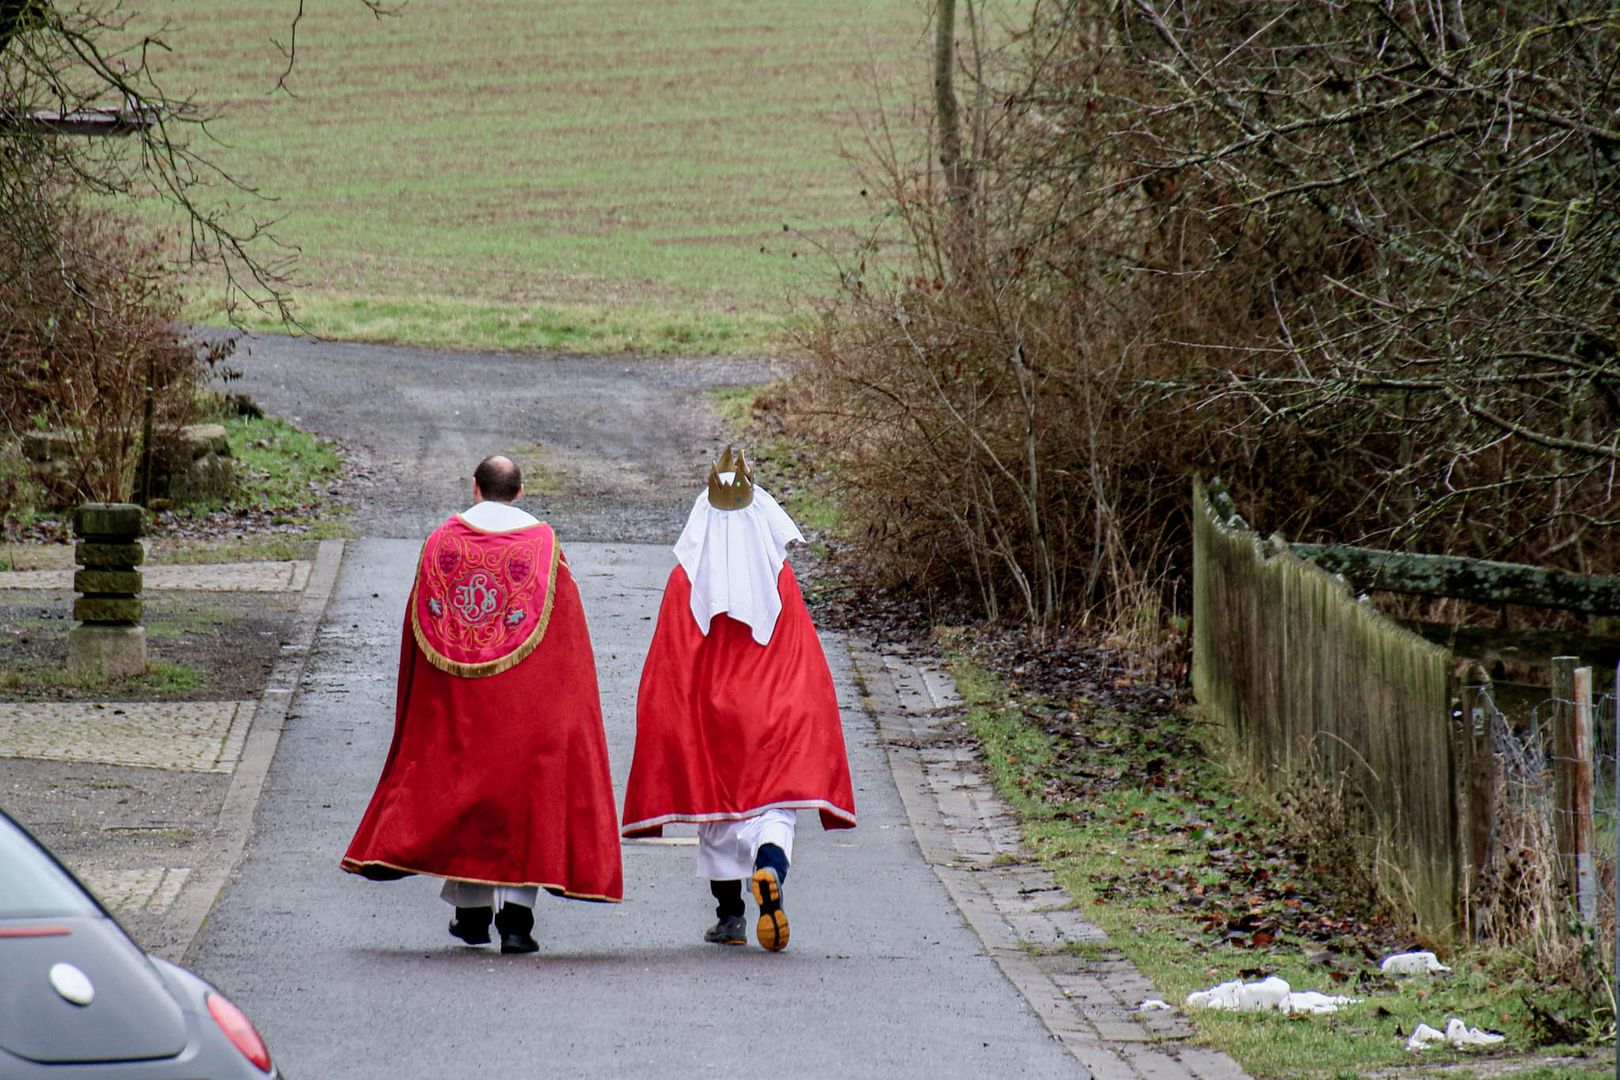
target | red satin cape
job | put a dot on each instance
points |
(501, 779)
(727, 728)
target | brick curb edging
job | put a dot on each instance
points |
(235, 822)
(1015, 906)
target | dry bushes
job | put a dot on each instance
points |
(87, 329)
(1002, 397)
(1295, 247)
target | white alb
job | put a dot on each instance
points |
(732, 559)
(492, 516)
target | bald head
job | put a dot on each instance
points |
(498, 479)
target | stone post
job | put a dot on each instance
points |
(109, 641)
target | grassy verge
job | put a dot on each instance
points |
(599, 175)
(281, 506)
(451, 323)
(279, 467)
(1191, 884)
(162, 679)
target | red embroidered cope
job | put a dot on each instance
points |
(482, 599)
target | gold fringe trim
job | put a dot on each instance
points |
(353, 866)
(500, 664)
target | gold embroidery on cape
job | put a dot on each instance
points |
(483, 633)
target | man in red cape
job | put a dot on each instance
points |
(497, 779)
(737, 723)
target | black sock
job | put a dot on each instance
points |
(730, 895)
(514, 919)
(774, 857)
(475, 916)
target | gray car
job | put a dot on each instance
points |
(79, 999)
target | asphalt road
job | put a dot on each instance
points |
(614, 447)
(352, 979)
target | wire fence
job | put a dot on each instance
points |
(1542, 818)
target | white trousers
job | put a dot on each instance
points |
(726, 849)
(476, 894)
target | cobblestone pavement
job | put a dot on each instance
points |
(151, 803)
(200, 577)
(199, 736)
(1087, 998)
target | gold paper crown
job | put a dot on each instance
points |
(740, 491)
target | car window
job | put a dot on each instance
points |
(31, 883)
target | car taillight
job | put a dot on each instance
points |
(239, 1029)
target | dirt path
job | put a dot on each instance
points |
(612, 448)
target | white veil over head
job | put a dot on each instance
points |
(732, 559)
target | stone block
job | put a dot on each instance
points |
(107, 582)
(191, 464)
(95, 609)
(94, 556)
(108, 522)
(210, 477)
(44, 447)
(112, 652)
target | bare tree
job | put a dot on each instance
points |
(1433, 194)
(91, 342)
(69, 66)
(1359, 257)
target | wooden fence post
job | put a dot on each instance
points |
(1572, 782)
(1583, 831)
(1479, 742)
(1562, 688)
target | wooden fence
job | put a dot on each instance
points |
(1325, 696)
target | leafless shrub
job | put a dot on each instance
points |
(1356, 257)
(88, 327)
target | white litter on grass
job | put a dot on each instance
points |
(1457, 1035)
(1270, 994)
(1238, 996)
(1412, 963)
(1309, 1001)
(1154, 1005)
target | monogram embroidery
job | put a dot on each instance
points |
(482, 597)
(477, 598)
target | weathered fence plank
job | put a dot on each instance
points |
(1467, 579)
(1322, 693)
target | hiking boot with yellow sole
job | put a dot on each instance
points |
(772, 929)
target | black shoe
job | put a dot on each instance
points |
(471, 924)
(729, 930)
(515, 922)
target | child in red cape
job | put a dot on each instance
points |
(737, 723)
